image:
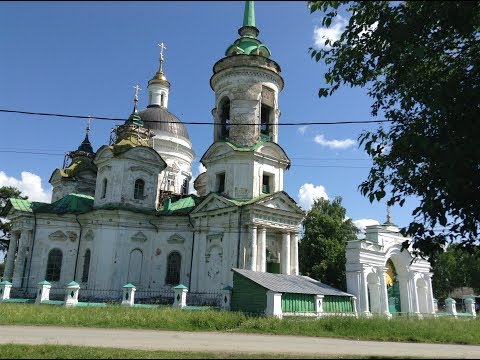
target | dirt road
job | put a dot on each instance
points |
(226, 342)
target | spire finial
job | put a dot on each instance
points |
(389, 218)
(249, 14)
(88, 124)
(137, 88)
(162, 47)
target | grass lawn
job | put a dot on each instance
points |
(401, 328)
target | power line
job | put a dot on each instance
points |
(197, 122)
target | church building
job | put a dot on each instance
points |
(123, 213)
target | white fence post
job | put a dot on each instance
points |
(451, 306)
(5, 287)
(43, 293)
(470, 306)
(274, 304)
(128, 294)
(71, 293)
(226, 298)
(180, 293)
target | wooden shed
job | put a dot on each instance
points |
(280, 294)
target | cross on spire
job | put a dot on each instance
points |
(388, 215)
(162, 47)
(137, 88)
(88, 123)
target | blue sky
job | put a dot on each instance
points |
(84, 58)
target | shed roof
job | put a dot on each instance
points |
(297, 284)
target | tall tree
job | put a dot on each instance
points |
(323, 246)
(420, 62)
(7, 192)
(455, 268)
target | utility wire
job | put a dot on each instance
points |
(198, 122)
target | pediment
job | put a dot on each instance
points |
(58, 235)
(211, 203)
(274, 151)
(281, 201)
(146, 154)
(176, 239)
(215, 150)
(139, 236)
(103, 153)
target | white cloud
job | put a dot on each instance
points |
(200, 169)
(302, 129)
(361, 224)
(308, 193)
(333, 32)
(334, 144)
(30, 185)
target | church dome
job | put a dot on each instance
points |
(156, 117)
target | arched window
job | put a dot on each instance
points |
(139, 189)
(174, 262)
(86, 266)
(104, 188)
(185, 186)
(135, 267)
(54, 265)
(225, 119)
(162, 100)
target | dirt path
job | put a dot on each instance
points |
(226, 342)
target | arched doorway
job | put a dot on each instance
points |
(393, 288)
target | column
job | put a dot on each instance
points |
(383, 291)
(285, 260)
(414, 294)
(12, 248)
(22, 250)
(252, 248)
(262, 250)
(294, 254)
(194, 273)
(430, 299)
(364, 294)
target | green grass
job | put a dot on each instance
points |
(15, 351)
(402, 328)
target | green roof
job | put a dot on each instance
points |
(129, 286)
(44, 282)
(25, 205)
(72, 203)
(72, 283)
(181, 286)
(182, 206)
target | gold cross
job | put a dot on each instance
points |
(162, 47)
(136, 87)
(88, 124)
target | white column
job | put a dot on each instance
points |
(285, 260)
(364, 293)
(383, 291)
(262, 250)
(22, 250)
(294, 254)
(252, 248)
(430, 299)
(195, 262)
(414, 294)
(12, 248)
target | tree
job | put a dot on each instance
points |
(323, 246)
(455, 268)
(420, 63)
(7, 192)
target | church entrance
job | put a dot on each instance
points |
(393, 288)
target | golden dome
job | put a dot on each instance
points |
(159, 78)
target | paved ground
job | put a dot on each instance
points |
(226, 342)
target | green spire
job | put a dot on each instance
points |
(248, 44)
(249, 14)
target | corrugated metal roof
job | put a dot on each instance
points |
(296, 284)
(72, 203)
(25, 205)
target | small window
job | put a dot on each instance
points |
(225, 119)
(265, 120)
(221, 182)
(266, 184)
(162, 100)
(104, 188)
(139, 189)
(54, 265)
(185, 186)
(174, 263)
(86, 266)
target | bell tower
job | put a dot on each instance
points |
(245, 160)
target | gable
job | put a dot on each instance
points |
(213, 202)
(215, 150)
(281, 201)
